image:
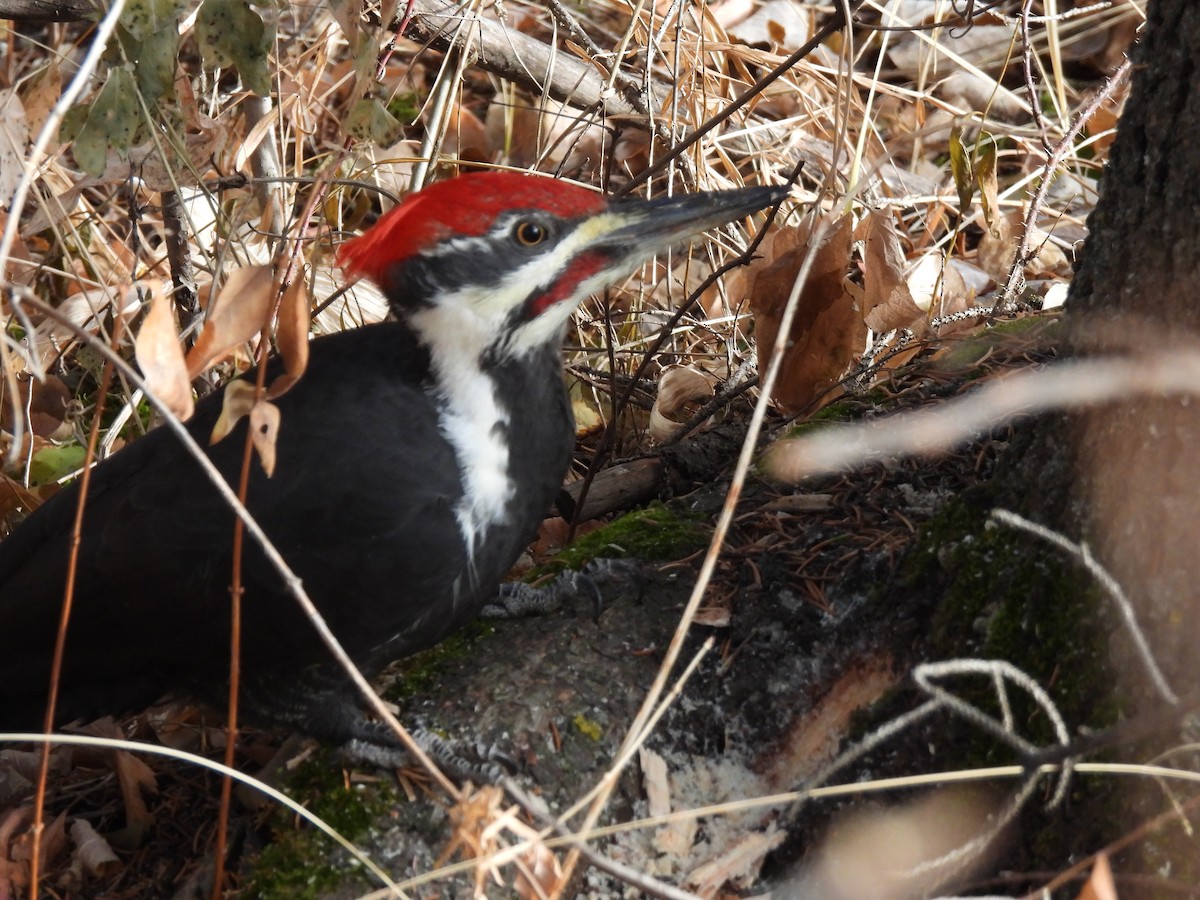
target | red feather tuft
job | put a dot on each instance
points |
(467, 205)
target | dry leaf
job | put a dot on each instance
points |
(134, 777)
(937, 289)
(466, 137)
(235, 316)
(41, 93)
(827, 331)
(713, 616)
(45, 402)
(54, 841)
(777, 23)
(989, 189)
(13, 495)
(996, 253)
(960, 169)
(160, 357)
(264, 430)
(20, 267)
(236, 402)
(887, 303)
(14, 135)
(545, 132)
(83, 311)
(997, 250)
(1100, 884)
(291, 335)
(678, 386)
(93, 851)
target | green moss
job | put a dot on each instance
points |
(848, 409)
(1008, 596)
(589, 728)
(962, 356)
(405, 107)
(421, 673)
(656, 532)
(296, 864)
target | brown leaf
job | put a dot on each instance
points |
(466, 136)
(264, 429)
(998, 248)
(160, 357)
(887, 303)
(235, 316)
(237, 402)
(93, 851)
(20, 267)
(13, 495)
(46, 402)
(678, 387)
(291, 335)
(1100, 885)
(989, 189)
(54, 841)
(827, 330)
(134, 777)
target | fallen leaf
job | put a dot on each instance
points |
(827, 331)
(678, 386)
(46, 403)
(93, 851)
(887, 303)
(538, 872)
(916, 848)
(13, 495)
(937, 289)
(466, 136)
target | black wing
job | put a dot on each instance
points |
(361, 505)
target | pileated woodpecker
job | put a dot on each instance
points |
(414, 462)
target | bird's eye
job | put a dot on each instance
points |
(530, 234)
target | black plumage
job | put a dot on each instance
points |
(361, 507)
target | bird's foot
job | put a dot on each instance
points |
(376, 745)
(516, 598)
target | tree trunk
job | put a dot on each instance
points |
(1137, 463)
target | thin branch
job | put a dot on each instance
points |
(1016, 275)
(521, 59)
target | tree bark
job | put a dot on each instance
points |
(1137, 463)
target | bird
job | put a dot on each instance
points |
(415, 461)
